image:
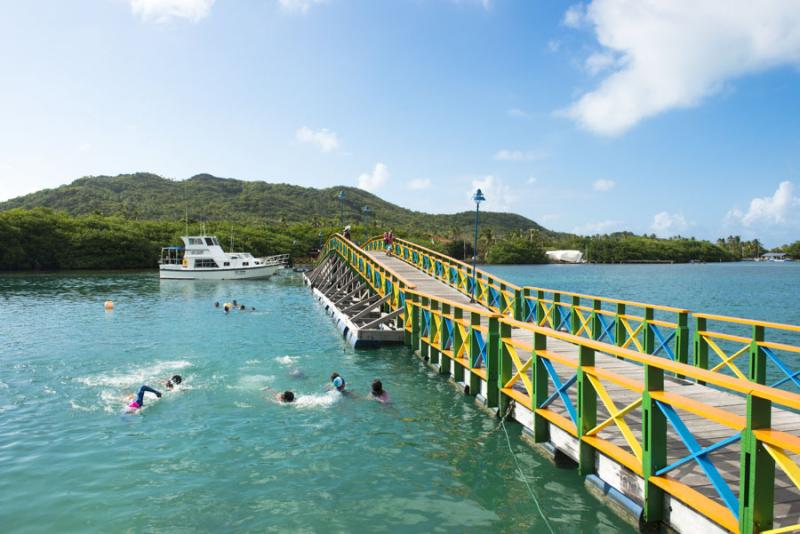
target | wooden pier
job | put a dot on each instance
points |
(658, 413)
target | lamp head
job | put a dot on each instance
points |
(341, 195)
(478, 196)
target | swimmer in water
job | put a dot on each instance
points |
(242, 307)
(139, 401)
(378, 393)
(174, 381)
(338, 382)
(284, 397)
(216, 304)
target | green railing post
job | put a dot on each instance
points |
(434, 354)
(424, 346)
(416, 323)
(488, 293)
(700, 346)
(597, 326)
(758, 358)
(654, 445)
(519, 306)
(541, 427)
(502, 300)
(474, 352)
(757, 475)
(574, 319)
(506, 370)
(539, 308)
(587, 412)
(620, 334)
(444, 361)
(649, 338)
(556, 312)
(682, 339)
(492, 362)
(458, 369)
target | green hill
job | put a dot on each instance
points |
(145, 196)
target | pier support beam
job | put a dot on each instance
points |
(654, 450)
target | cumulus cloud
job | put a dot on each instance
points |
(603, 185)
(419, 183)
(374, 180)
(768, 211)
(506, 154)
(674, 54)
(667, 224)
(602, 227)
(325, 139)
(299, 6)
(163, 10)
(499, 196)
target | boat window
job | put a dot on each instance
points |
(209, 242)
(226, 264)
(205, 264)
(245, 264)
(195, 241)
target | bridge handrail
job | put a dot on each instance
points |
(359, 252)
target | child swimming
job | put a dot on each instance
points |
(338, 382)
(378, 393)
(139, 401)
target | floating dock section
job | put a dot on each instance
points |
(359, 313)
(680, 420)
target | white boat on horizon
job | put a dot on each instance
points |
(202, 258)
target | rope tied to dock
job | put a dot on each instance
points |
(532, 493)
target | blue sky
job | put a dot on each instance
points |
(671, 117)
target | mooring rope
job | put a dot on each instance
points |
(519, 468)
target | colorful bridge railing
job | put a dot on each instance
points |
(715, 344)
(481, 345)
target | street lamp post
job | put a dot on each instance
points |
(478, 198)
(340, 196)
(365, 210)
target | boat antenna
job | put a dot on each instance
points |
(186, 206)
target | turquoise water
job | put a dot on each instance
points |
(217, 454)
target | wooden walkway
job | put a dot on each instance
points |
(726, 459)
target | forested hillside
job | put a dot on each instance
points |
(144, 196)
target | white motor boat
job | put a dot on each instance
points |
(202, 258)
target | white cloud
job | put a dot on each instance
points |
(602, 227)
(600, 61)
(674, 54)
(603, 185)
(667, 224)
(419, 183)
(506, 154)
(375, 180)
(163, 10)
(518, 113)
(766, 211)
(299, 6)
(499, 196)
(325, 139)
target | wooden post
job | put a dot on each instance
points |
(574, 319)
(506, 366)
(435, 355)
(597, 326)
(682, 339)
(458, 369)
(700, 346)
(492, 362)
(587, 412)
(474, 352)
(649, 338)
(416, 325)
(757, 471)
(519, 305)
(556, 312)
(654, 445)
(444, 361)
(758, 358)
(541, 427)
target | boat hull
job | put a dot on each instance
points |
(177, 272)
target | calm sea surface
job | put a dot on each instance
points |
(217, 455)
